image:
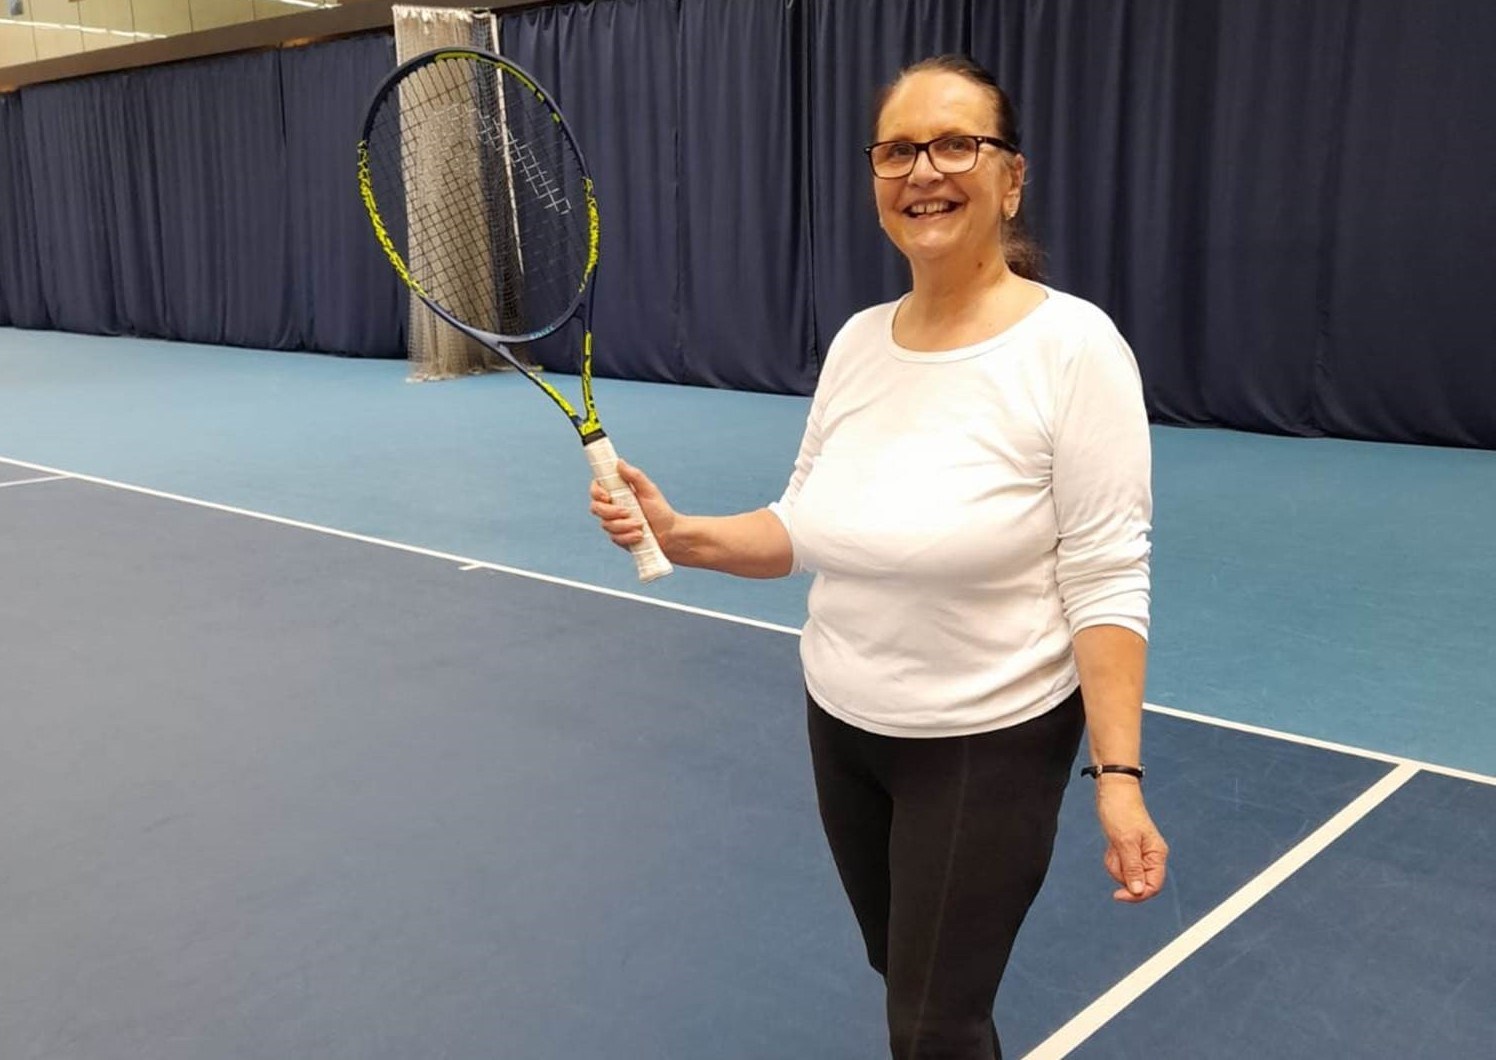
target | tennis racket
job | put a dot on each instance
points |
(481, 200)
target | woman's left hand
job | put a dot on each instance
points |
(1135, 850)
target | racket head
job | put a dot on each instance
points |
(479, 194)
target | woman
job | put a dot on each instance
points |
(972, 491)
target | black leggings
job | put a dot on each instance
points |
(942, 844)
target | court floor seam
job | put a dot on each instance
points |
(33, 481)
(468, 563)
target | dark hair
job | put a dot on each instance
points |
(1023, 254)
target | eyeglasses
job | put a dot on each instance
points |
(895, 159)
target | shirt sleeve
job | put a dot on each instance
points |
(1102, 490)
(810, 448)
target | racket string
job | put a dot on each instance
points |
(483, 194)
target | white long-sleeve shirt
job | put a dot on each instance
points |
(966, 513)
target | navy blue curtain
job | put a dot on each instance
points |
(160, 194)
(747, 256)
(71, 132)
(343, 294)
(209, 201)
(855, 47)
(611, 68)
(1221, 177)
(20, 287)
(702, 186)
(219, 158)
(1406, 352)
(1287, 207)
(1176, 154)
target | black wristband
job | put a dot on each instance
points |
(1131, 771)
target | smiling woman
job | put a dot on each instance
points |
(972, 493)
(959, 154)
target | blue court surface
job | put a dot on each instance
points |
(334, 730)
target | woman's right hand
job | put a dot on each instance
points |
(622, 525)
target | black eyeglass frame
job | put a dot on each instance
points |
(923, 148)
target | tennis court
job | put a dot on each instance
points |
(332, 727)
(283, 790)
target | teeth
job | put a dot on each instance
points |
(920, 208)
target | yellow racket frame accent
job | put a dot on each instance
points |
(587, 424)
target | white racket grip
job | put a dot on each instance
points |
(648, 558)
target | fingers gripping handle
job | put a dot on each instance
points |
(648, 558)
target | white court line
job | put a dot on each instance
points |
(469, 563)
(30, 481)
(1095, 1015)
(478, 564)
(1327, 745)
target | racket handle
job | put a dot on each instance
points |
(648, 557)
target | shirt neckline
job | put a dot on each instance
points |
(960, 353)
